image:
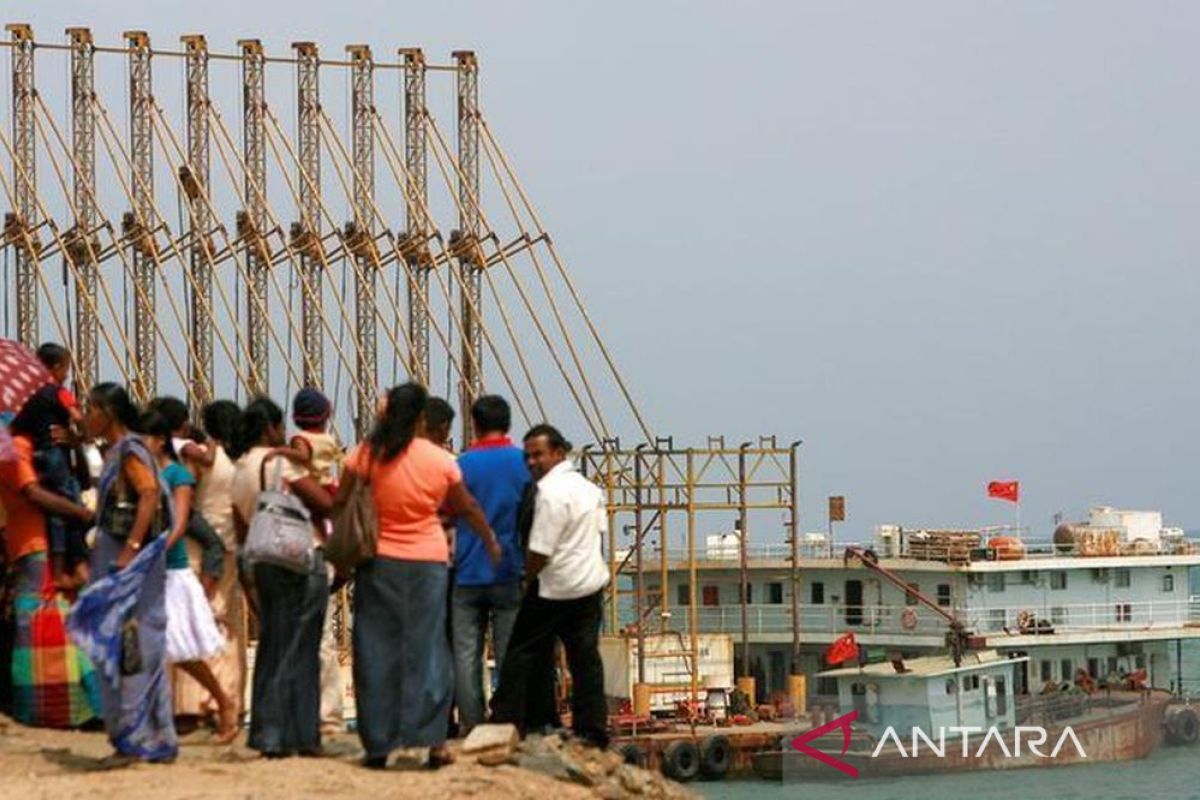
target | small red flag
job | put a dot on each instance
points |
(844, 649)
(1005, 490)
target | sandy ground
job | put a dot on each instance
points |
(70, 765)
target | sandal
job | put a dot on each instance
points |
(439, 757)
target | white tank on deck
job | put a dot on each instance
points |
(1133, 525)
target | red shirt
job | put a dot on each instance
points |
(26, 527)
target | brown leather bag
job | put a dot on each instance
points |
(355, 536)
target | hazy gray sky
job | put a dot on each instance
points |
(941, 242)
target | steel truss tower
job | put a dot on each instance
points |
(467, 247)
(194, 177)
(18, 224)
(252, 223)
(418, 227)
(306, 236)
(360, 235)
(82, 246)
(138, 224)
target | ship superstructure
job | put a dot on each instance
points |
(1110, 596)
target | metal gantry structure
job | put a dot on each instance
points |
(306, 234)
(470, 229)
(180, 301)
(81, 238)
(194, 179)
(415, 244)
(18, 226)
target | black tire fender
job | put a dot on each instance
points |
(1183, 725)
(681, 760)
(632, 754)
(716, 757)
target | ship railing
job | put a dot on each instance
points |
(1057, 618)
(904, 620)
(833, 619)
(929, 550)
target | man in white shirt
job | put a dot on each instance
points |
(567, 563)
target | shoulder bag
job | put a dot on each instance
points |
(355, 536)
(281, 531)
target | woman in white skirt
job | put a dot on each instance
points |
(192, 632)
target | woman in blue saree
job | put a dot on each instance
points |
(120, 620)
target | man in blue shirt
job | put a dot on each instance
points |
(494, 472)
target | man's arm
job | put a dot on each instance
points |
(55, 503)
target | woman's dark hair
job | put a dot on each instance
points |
(553, 435)
(155, 423)
(395, 430)
(113, 400)
(438, 412)
(174, 409)
(259, 414)
(221, 420)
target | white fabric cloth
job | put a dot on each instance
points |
(569, 520)
(214, 497)
(192, 632)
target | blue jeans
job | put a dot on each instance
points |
(473, 608)
(67, 536)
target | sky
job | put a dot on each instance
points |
(943, 243)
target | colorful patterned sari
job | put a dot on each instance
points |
(53, 683)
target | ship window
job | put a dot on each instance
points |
(775, 593)
(710, 595)
(1121, 578)
(950, 686)
(858, 693)
(996, 582)
(749, 592)
(943, 594)
(1124, 612)
(1058, 580)
(1001, 697)
(1068, 670)
(1168, 583)
(910, 595)
(1094, 667)
(683, 594)
(1047, 671)
(818, 593)
(1112, 666)
(973, 683)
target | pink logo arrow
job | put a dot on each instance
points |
(800, 743)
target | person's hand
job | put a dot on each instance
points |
(85, 515)
(125, 556)
(210, 586)
(494, 550)
(60, 434)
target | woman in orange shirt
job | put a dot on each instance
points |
(403, 677)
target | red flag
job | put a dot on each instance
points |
(844, 649)
(1005, 490)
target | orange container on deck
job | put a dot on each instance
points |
(1006, 548)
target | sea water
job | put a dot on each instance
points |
(1170, 773)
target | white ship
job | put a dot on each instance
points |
(1109, 597)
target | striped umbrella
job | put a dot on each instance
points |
(21, 374)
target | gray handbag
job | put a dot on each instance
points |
(281, 532)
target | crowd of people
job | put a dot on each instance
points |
(128, 587)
